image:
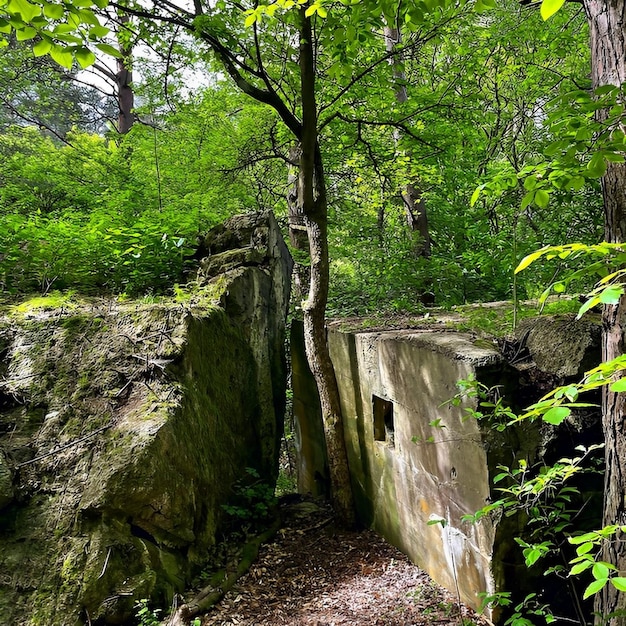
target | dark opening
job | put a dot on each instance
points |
(383, 419)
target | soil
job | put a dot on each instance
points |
(316, 574)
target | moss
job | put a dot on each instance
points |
(54, 300)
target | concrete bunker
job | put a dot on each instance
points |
(419, 466)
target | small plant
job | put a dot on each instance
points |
(253, 499)
(146, 616)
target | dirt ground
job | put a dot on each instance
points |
(317, 575)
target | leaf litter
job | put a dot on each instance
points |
(316, 574)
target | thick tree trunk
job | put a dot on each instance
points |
(607, 23)
(414, 206)
(312, 196)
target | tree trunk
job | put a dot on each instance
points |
(414, 206)
(608, 58)
(124, 81)
(312, 197)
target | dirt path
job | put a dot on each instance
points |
(316, 575)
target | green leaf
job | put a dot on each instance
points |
(527, 260)
(594, 587)
(611, 295)
(530, 183)
(97, 32)
(619, 582)
(580, 567)
(556, 415)
(107, 49)
(475, 195)
(527, 199)
(597, 165)
(550, 7)
(588, 305)
(27, 10)
(618, 385)
(542, 198)
(600, 571)
(53, 11)
(85, 57)
(87, 17)
(23, 34)
(42, 47)
(62, 56)
(532, 556)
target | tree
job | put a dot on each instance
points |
(38, 91)
(608, 67)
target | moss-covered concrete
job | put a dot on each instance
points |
(123, 428)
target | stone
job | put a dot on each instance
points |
(561, 345)
(6, 481)
(124, 428)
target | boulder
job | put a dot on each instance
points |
(561, 345)
(123, 429)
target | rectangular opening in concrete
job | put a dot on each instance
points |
(383, 419)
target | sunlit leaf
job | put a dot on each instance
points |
(27, 10)
(611, 295)
(42, 47)
(62, 56)
(107, 49)
(98, 32)
(527, 260)
(600, 571)
(23, 34)
(594, 587)
(556, 415)
(589, 304)
(618, 385)
(84, 57)
(53, 11)
(542, 198)
(550, 7)
(619, 583)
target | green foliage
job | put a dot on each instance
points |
(146, 616)
(253, 500)
(100, 216)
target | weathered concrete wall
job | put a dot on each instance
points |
(418, 464)
(122, 430)
(431, 465)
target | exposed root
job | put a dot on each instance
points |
(210, 595)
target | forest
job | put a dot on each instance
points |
(414, 154)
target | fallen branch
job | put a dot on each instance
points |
(210, 596)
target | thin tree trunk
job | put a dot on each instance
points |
(414, 206)
(608, 57)
(124, 81)
(312, 196)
